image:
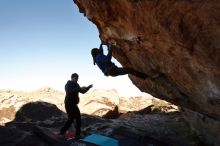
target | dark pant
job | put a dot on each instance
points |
(116, 71)
(73, 112)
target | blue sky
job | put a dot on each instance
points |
(43, 41)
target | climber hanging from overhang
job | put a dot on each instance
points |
(108, 67)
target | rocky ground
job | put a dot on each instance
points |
(103, 111)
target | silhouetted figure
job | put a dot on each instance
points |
(108, 67)
(72, 89)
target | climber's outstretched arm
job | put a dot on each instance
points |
(101, 48)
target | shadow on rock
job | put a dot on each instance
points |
(37, 113)
(19, 132)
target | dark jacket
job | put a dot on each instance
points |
(104, 61)
(72, 92)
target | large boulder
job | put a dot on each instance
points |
(108, 104)
(176, 43)
(100, 103)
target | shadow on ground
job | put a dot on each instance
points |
(20, 131)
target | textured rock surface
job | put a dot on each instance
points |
(107, 103)
(178, 40)
(100, 103)
(207, 128)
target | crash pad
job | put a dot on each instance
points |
(101, 140)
